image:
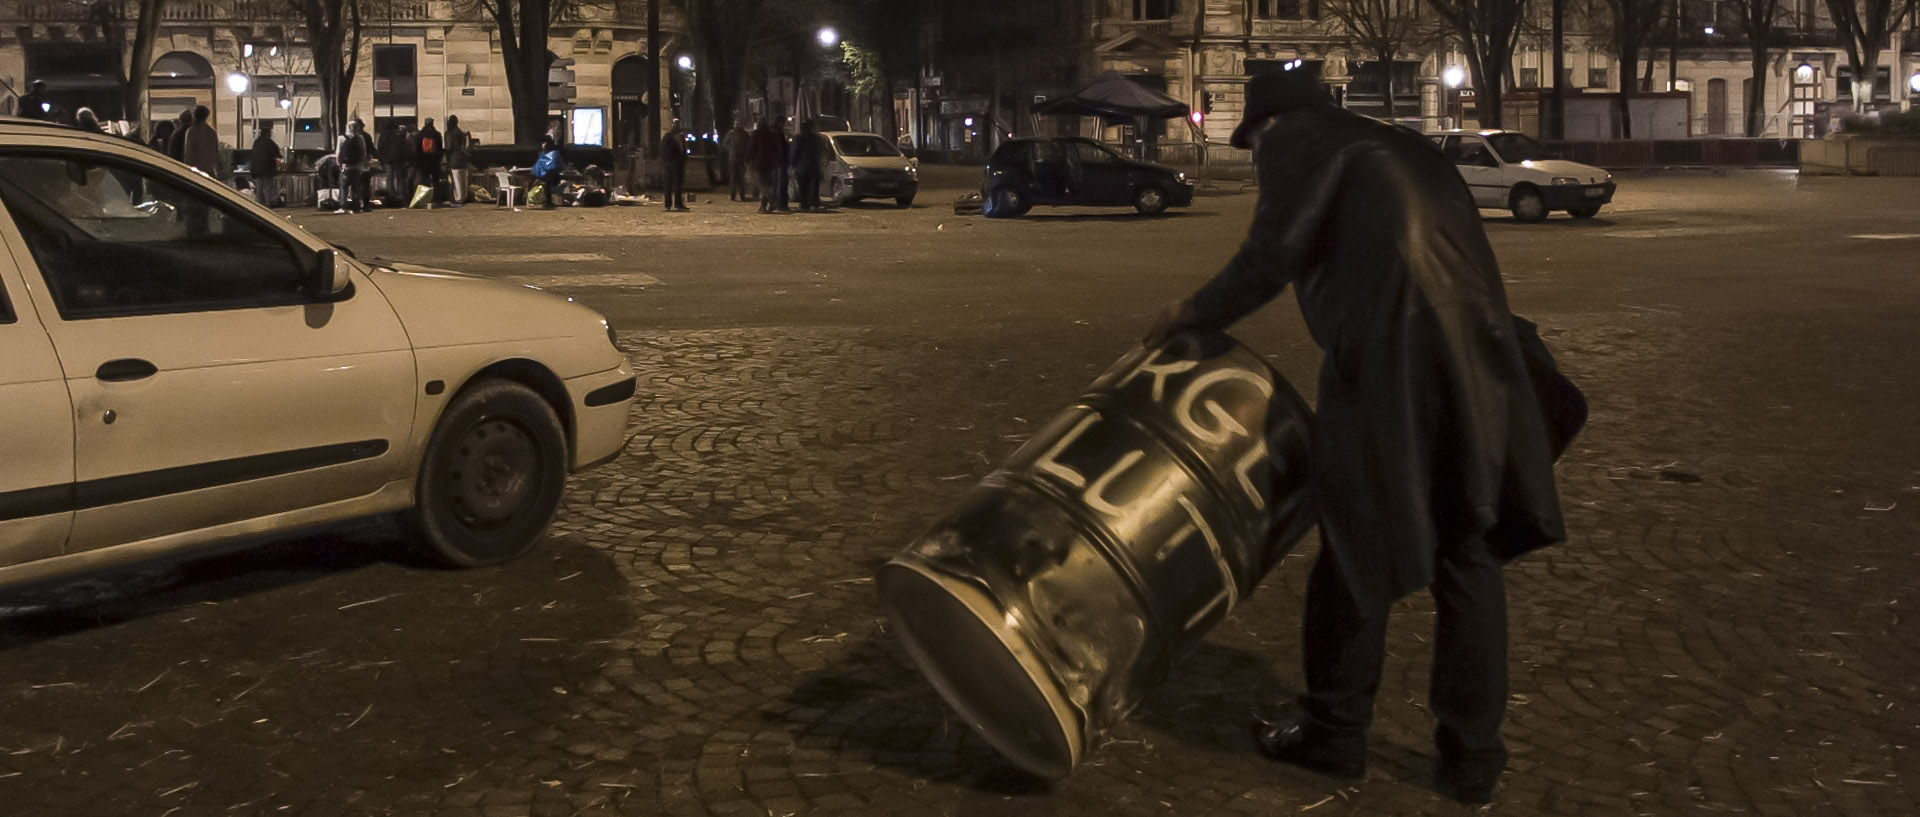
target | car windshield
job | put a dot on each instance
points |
(1518, 147)
(862, 144)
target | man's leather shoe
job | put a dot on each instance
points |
(1291, 739)
(1465, 787)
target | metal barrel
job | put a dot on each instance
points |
(1069, 581)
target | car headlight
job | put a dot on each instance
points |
(1565, 180)
(913, 169)
(1180, 177)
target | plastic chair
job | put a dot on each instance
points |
(507, 188)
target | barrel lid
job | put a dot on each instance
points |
(971, 650)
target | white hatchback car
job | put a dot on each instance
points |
(1508, 170)
(180, 367)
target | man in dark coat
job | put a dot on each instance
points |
(263, 164)
(767, 154)
(177, 143)
(1432, 459)
(33, 104)
(673, 153)
(806, 166)
(735, 145)
(459, 161)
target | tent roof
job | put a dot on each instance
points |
(1113, 97)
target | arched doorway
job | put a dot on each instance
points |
(179, 80)
(630, 103)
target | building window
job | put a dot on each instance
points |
(1152, 9)
(1596, 77)
(1882, 84)
(1286, 9)
(1529, 77)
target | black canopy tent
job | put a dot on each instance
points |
(1116, 100)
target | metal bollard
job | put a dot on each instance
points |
(1068, 582)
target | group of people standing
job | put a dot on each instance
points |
(774, 160)
(405, 160)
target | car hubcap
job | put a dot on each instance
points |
(491, 472)
(1150, 198)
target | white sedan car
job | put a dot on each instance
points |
(1507, 170)
(180, 367)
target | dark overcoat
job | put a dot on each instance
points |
(1427, 429)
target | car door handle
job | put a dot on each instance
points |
(123, 369)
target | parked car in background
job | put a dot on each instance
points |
(1077, 171)
(183, 368)
(1508, 170)
(856, 165)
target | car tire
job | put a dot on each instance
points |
(1583, 212)
(491, 478)
(1150, 199)
(1527, 204)
(1005, 202)
(837, 194)
(903, 201)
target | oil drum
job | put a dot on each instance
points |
(1068, 582)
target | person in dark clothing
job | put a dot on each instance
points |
(395, 146)
(735, 145)
(355, 155)
(805, 155)
(263, 165)
(673, 156)
(767, 152)
(427, 146)
(459, 161)
(1433, 447)
(33, 104)
(177, 143)
(162, 134)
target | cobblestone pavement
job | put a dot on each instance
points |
(1730, 630)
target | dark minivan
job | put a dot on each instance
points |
(1076, 171)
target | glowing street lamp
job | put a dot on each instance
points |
(237, 83)
(1453, 76)
(685, 62)
(1803, 74)
(1913, 82)
(827, 36)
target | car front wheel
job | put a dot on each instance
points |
(1005, 202)
(903, 201)
(1583, 212)
(1150, 200)
(1528, 205)
(491, 479)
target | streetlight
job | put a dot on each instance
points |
(685, 62)
(1913, 82)
(827, 36)
(1803, 74)
(237, 82)
(1709, 31)
(1453, 76)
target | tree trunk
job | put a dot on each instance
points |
(1757, 90)
(523, 53)
(1623, 104)
(140, 65)
(888, 119)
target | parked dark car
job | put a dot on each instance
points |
(1076, 171)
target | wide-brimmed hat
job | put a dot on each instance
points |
(1276, 92)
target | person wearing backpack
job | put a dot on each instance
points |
(427, 146)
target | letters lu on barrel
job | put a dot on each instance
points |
(1068, 582)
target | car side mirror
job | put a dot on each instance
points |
(327, 277)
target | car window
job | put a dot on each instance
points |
(1089, 153)
(1468, 150)
(860, 144)
(1519, 147)
(114, 238)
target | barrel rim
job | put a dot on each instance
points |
(993, 619)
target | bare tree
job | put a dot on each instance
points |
(1489, 30)
(334, 30)
(1757, 20)
(1634, 22)
(1864, 28)
(722, 34)
(524, 27)
(1384, 28)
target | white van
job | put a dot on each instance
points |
(856, 165)
(1508, 170)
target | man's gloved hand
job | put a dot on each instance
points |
(1176, 318)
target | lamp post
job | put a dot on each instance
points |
(237, 82)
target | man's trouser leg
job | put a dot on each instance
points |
(1468, 691)
(459, 191)
(1344, 648)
